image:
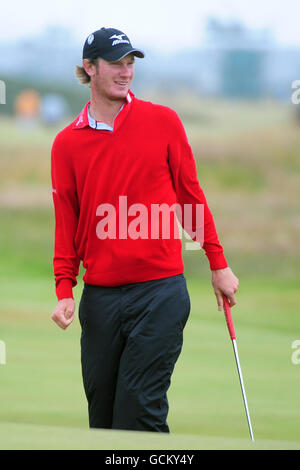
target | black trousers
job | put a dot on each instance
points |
(131, 338)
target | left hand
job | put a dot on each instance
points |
(225, 283)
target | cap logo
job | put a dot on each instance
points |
(118, 39)
(90, 39)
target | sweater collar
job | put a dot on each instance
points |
(82, 119)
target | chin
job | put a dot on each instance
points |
(119, 94)
(122, 94)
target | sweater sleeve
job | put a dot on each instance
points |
(191, 198)
(66, 208)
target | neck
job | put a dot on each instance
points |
(104, 109)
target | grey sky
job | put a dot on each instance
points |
(161, 24)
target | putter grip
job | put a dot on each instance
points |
(228, 316)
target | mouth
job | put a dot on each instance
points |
(122, 84)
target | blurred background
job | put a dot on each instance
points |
(228, 69)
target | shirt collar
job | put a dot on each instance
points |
(97, 124)
(82, 119)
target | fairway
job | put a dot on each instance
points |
(42, 404)
(250, 173)
(27, 436)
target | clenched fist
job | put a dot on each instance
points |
(63, 315)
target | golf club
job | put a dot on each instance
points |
(228, 316)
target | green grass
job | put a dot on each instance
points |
(41, 382)
(22, 436)
(248, 163)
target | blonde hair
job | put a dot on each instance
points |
(81, 74)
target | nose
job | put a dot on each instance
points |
(126, 70)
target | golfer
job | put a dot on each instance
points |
(115, 170)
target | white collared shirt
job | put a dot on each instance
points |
(101, 125)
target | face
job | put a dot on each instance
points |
(113, 79)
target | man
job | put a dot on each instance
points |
(121, 157)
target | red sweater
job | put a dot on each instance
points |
(146, 158)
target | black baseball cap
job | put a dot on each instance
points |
(110, 44)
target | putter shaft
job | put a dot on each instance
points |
(236, 354)
(229, 321)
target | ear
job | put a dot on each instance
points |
(89, 67)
